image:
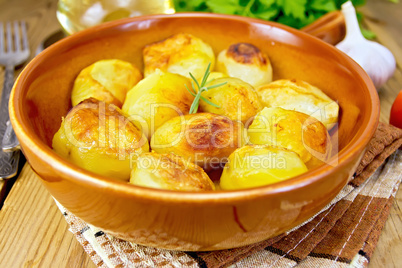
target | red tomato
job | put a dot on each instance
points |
(396, 111)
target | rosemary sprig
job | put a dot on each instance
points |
(201, 88)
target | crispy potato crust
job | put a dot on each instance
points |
(246, 62)
(171, 172)
(98, 137)
(89, 119)
(293, 130)
(247, 54)
(257, 165)
(237, 99)
(201, 138)
(298, 95)
(105, 80)
(181, 53)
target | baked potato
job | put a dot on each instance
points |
(246, 62)
(300, 96)
(181, 53)
(237, 99)
(257, 165)
(98, 137)
(205, 139)
(215, 75)
(293, 130)
(105, 80)
(156, 99)
(169, 171)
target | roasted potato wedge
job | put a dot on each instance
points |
(205, 139)
(181, 53)
(258, 165)
(237, 99)
(246, 62)
(105, 80)
(300, 96)
(98, 137)
(293, 130)
(169, 171)
(156, 99)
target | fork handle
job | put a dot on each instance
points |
(5, 96)
(10, 141)
(8, 160)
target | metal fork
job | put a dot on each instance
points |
(14, 50)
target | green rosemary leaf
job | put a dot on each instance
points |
(195, 80)
(201, 88)
(190, 91)
(209, 102)
(207, 72)
(193, 86)
(194, 105)
(217, 85)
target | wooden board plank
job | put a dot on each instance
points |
(384, 19)
(33, 231)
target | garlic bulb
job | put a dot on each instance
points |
(375, 59)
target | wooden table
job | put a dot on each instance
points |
(34, 233)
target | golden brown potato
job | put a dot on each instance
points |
(156, 99)
(105, 80)
(215, 75)
(237, 99)
(300, 96)
(293, 130)
(169, 171)
(205, 139)
(181, 53)
(98, 137)
(258, 165)
(246, 62)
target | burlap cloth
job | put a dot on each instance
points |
(344, 233)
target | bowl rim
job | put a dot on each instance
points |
(71, 172)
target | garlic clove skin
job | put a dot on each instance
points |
(378, 62)
(375, 59)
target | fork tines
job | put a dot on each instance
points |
(6, 33)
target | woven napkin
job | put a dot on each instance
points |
(344, 233)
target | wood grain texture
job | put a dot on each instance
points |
(384, 19)
(33, 233)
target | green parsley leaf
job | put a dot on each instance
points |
(223, 6)
(322, 5)
(294, 13)
(357, 3)
(266, 13)
(187, 5)
(267, 3)
(295, 8)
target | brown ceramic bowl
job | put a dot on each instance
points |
(187, 220)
